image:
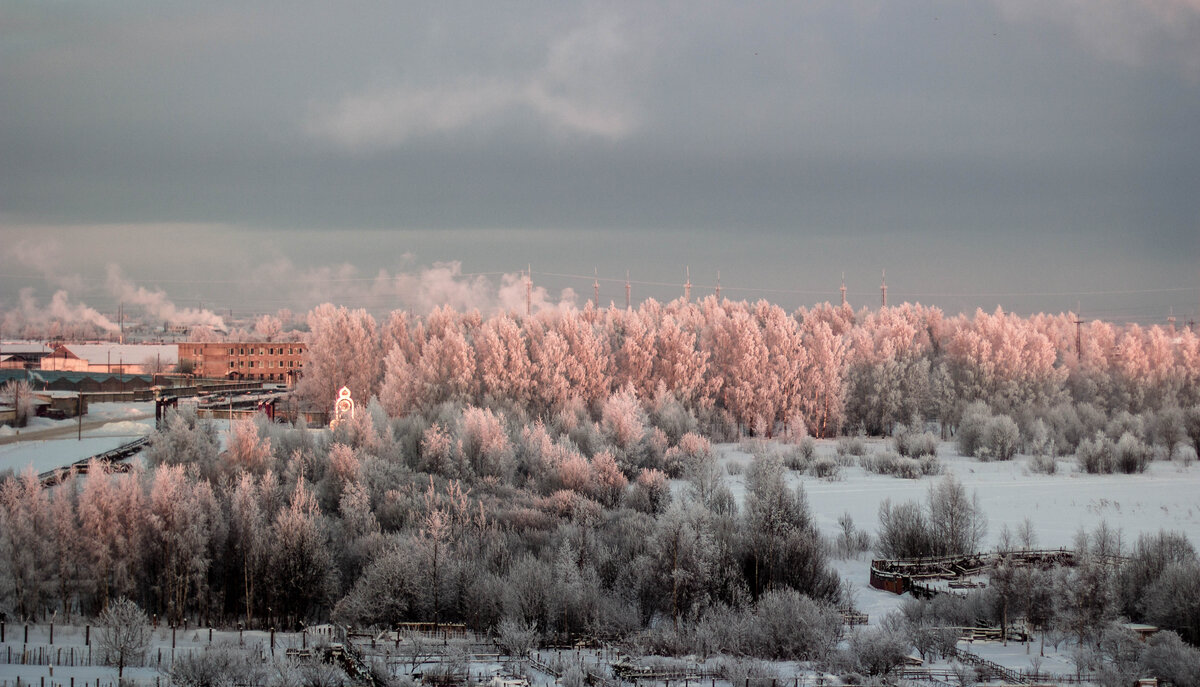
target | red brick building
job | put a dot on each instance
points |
(267, 361)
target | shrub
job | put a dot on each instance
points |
(824, 468)
(794, 459)
(735, 467)
(1000, 438)
(915, 445)
(930, 466)
(808, 447)
(890, 463)
(971, 428)
(1095, 455)
(851, 446)
(1185, 454)
(1043, 464)
(1131, 455)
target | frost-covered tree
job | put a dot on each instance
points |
(124, 634)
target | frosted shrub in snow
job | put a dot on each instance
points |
(1043, 464)
(1095, 455)
(851, 446)
(913, 445)
(1000, 438)
(735, 467)
(1185, 454)
(824, 468)
(971, 428)
(890, 463)
(850, 540)
(1131, 455)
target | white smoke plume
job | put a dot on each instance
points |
(419, 290)
(156, 303)
(59, 317)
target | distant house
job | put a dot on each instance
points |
(63, 360)
(22, 355)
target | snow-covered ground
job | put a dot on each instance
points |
(1164, 497)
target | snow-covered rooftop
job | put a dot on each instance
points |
(131, 354)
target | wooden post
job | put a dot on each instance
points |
(210, 635)
(172, 636)
(87, 635)
(26, 633)
(52, 632)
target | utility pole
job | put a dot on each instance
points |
(627, 301)
(1079, 337)
(596, 287)
(883, 290)
(718, 286)
(843, 289)
(687, 286)
(529, 291)
(1171, 321)
(121, 319)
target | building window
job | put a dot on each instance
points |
(241, 351)
(241, 363)
(231, 351)
(272, 350)
(231, 363)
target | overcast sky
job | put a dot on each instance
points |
(253, 155)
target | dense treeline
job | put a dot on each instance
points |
(512, 473)
(287, 525)
(753, 368)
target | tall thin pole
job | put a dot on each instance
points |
(718, 285)
(529, 291)
(843, 289)
(627, 290)
(687, 286)
(883, 290)
(596, 288)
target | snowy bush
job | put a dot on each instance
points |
(1095, 455)
(1185, 454)
(890, 463)
(1101, 455)
(1042, 464)
(971, 428)
(850, 540)
(1000, 438)
(851, 446)
(824, 468)
(1131, 455)
(914, 445)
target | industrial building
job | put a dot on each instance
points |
(265, 361)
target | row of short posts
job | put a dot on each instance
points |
(87, 633)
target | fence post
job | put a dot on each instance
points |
(87, 636)
(51, 632)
